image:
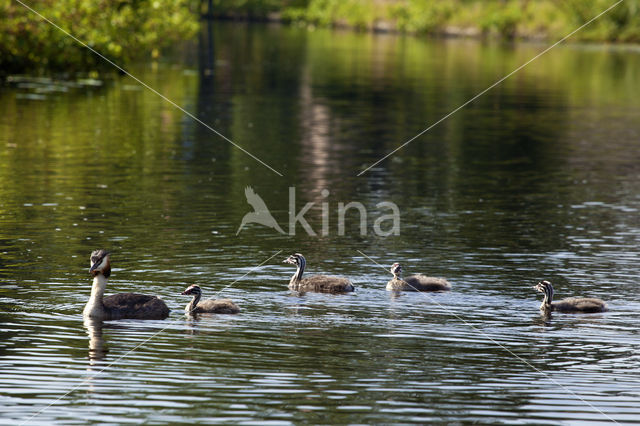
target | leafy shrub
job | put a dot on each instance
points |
(120, 30)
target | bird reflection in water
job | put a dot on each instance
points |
(191, 325)
(97, 350)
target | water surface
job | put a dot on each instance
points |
(538, 179)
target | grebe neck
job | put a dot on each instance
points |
(548, 296)
(297, 277)
(194, 302)
(95, 306)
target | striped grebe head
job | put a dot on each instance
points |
(296, 259)
(100, 263)
(546, 288)
(396, 269)
(193, 289)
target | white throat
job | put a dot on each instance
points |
(94, 307)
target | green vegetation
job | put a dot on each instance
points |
(124, 30)
(503, 18)
(121, 30)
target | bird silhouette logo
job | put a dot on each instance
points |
(260, 214)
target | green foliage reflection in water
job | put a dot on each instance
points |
(148, 159)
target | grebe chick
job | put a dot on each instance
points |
(571, 304)
(121, 305)
(415, 282)
(211, 306)
(315, 283)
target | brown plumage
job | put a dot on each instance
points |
(217, 306)
(568, 305)
(315, 283)
(415, 282)
(122, 305)
(135, 306)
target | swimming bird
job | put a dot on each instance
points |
(121, 305)
(217, 306)
(415, 282)
(571, 304)
(315, 283)
(261, 214)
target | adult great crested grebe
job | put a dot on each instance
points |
(415, 282)
(121, 305)
(315, 283)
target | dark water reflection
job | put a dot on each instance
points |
(536, 179)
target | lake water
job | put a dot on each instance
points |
(537, 179)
